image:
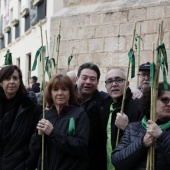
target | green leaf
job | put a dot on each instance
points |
(132, 61)
(152, 71)
(36, 57)
(69, 59)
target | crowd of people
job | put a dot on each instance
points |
(81, 123)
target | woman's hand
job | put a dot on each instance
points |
(44, 126)
(148, 139)
(153, 129)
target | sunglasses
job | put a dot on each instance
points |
(164, 100)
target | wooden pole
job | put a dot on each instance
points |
(58, 44)
(126, 82)
(138, 63)
(43, 84)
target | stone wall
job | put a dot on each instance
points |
(102, 32)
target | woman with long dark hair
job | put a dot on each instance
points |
(19, 115)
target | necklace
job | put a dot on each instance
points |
(162, 127)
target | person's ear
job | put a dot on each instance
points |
(128, 83)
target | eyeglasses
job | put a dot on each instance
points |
(165, 100)
(117, 81)
(143, 75)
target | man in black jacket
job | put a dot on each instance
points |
(91, 99)
(35, 87)
(113, 119)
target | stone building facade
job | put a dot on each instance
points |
(100, 31)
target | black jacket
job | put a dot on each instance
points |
(18, 119)
(35, 88)
(131, 109)
(93, 108)
(131, 154)
(63, 151)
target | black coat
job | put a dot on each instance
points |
(93, 108)
(35, 88)
(63, 151)
(131, 154)
(17, 125)
(131, 109)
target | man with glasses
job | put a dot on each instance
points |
(91, 99)
(113, 119)
(144, 77)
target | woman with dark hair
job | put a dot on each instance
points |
(66, 128)
(131, 152)
(19, 115)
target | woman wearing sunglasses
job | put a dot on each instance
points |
(131, 152)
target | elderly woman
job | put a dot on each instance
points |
(131, 152)
(65, 126)
(19, 115)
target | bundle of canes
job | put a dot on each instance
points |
(126, 81)
(154, 82)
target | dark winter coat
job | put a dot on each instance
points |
(131, 109)
(18, 119)
(35, 88)
(63, 151)
(93, 109)
(131, 154)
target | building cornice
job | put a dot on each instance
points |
(1, 35)
(36, 2)
(24, 12)
(7, 29)
(15, 22)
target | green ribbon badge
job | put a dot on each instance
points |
(8, 58)
(71, 128)
(163, 63)
(38, 53)
(132, 61)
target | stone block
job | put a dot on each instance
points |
(68, 33)
(149, 39)
(167, 11)
(126, 28)
(166, 40)
(167, 24)
(64, 47)
(114, 44)
(75, 21)
(149, 26)
(85, 32)
(137, 14)
(115, 17)
(146, 56)
(83, 58)
(107, 30)
(96, 19)
(96, 45)
(102, 60)
(155, 12)
(80, 46)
